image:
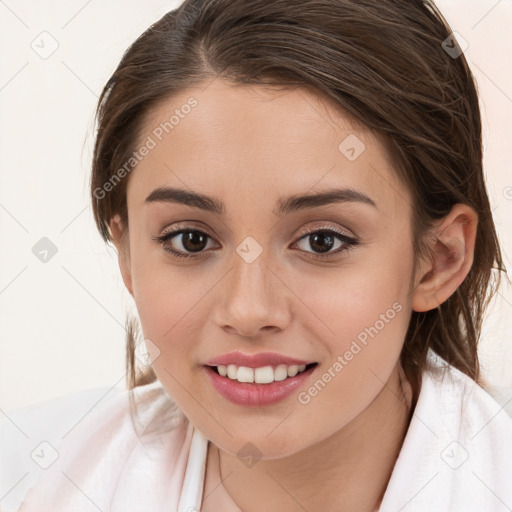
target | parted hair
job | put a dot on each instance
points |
(384, 62)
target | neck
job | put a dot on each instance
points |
(349, 470)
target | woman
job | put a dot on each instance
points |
(296, 194)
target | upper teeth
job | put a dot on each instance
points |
(263, 375)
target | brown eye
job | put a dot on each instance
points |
(193, 241)
(184, 242)
(322, 241)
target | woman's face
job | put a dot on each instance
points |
(268, 272)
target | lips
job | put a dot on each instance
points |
(257, 395)
(256, 360)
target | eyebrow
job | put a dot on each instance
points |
(284, 205)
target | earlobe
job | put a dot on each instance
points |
(452, 247)
(120, 238)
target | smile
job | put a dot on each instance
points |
(256, 387)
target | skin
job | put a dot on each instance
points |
(249, 146)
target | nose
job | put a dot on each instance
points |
(253, 299)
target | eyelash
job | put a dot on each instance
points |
(349, 242)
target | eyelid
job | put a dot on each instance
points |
(328, 227)
(185, 224)
(306, 231)
(349, 242)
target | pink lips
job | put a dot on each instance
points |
(256, 395)
(255, 360)
(253, 394)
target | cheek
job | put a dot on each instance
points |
(360, 315)
(171, 311)
(172, 308)
(372, 286)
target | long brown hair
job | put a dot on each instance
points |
(384, 62)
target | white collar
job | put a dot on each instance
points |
(456, 455)
(193, 484)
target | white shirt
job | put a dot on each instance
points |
(456, 455)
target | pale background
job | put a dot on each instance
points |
(62, 322)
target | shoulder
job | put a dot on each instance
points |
(460, 394)
(28, 436)
(502, 395)
(90, 436)
(473, 417)
(457, 452)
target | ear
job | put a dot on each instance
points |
(120, 238)
(452, 245)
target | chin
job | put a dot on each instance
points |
(261, 445)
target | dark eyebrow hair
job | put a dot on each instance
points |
(285, 205)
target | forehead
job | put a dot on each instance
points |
(246, 144)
